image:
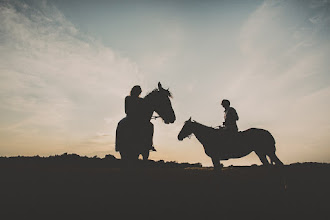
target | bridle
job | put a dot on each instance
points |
(190, 135)
(155, 117)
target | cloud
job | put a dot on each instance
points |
(284, 50)
(287, 50)
(55, 82)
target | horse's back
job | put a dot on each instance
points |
(259, 138)
(244, 142)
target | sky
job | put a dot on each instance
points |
(66, 67)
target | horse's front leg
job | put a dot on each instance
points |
(216, 163)
(145, 155)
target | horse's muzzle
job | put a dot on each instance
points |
(170, 121)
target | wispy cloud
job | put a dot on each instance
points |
(287, 51)
(54, 79)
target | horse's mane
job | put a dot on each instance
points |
(169, 94)
(204, 126)
(151, 93)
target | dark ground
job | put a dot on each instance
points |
(98, 189)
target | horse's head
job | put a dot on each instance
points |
(162, 104)
(186, 130)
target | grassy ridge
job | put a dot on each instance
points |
(68, 190)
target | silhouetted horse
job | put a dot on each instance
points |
(134, 138)
(219, 145)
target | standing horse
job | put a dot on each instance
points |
(222, 146)
(135, 138)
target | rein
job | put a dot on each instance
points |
(190, 135)
(216, 127)
(155, 117)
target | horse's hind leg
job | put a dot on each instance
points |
(145, 155)
(275, 159)
(216, 163)
(263, 159)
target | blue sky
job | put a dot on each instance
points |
(66, 67)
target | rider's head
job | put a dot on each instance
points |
(136, 91)
(225, 103)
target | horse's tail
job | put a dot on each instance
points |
(120, 134)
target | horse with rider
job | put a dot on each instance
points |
(134, 133)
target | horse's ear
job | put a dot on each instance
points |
(189, 119)
(160, 87)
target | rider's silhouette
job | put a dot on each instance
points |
(230, 117)
(134, 106)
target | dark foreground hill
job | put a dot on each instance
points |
(74, 160)
(92, 188)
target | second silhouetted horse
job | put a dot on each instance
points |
(222, 146)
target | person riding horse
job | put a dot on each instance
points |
(134, 133)
(134, 108)
(230, 117)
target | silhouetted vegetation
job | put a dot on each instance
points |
(70, 186)
(109, 161)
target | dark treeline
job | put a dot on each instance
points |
(109, 161)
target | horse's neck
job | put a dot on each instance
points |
(201, 132)
(149, 109)
(149, 113)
